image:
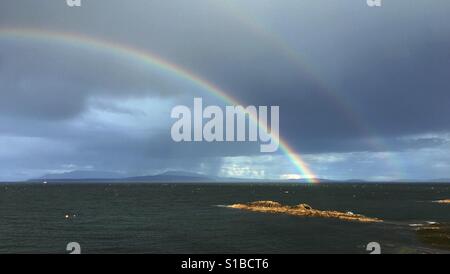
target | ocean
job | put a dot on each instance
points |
(192, 218)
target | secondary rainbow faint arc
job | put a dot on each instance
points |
(154, 60)
(259, 28)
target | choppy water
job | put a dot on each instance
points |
(187, 218)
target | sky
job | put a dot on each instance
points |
(364, 93)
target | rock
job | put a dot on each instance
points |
(302, 210)
(265, 204)
(303, 206)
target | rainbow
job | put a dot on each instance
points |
(258, 27)
(153, 60)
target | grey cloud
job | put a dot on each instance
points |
(386, 68)
(55, 83)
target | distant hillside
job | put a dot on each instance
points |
(99, 176)
(172, 176)
(183, 176)
(442, 180)
(80, 175)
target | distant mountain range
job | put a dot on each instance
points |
(80, 175)
(180, 176)
(99, 176)
(170, 176)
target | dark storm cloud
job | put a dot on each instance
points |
(410, 88)
(41, 80)
(389, 74)
(183, 32)
(378, 75)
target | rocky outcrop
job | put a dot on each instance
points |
(447, 201)
(302, 210)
